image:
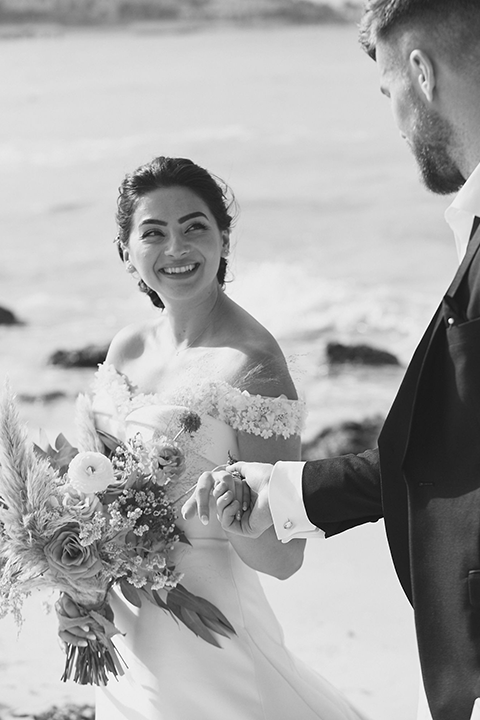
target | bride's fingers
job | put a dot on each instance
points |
(236, 487)
(189, 507)
(199, 501)
(246, 496)
(227, 509)
(70, 639)
(220, 489)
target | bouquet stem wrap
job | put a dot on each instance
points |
(90, 665)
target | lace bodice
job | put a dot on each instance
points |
(240, 410)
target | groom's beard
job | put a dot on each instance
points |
(431, 140)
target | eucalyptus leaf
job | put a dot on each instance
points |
(130, 593)
(159, 600)
(108, 440)
(195, 624)
(183, 597)
(217, 627)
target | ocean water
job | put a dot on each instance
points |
(336, 239)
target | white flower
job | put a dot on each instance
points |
(90, 472)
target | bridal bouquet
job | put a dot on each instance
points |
(82, 522)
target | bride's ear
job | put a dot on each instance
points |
(225, 243)
(129, 267)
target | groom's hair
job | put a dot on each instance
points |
(454, 25)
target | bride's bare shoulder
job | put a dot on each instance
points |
(129, 343)
(258, 360)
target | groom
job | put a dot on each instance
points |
(424, 478)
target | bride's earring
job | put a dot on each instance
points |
(225, 244)
(129, 267)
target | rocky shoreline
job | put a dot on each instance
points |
(171, 14)
(68, 712)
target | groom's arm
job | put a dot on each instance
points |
(297, 498)
(330, 495)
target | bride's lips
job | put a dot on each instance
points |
(179, 271)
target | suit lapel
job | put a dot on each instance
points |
(440, 318)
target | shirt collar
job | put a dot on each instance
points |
(459, 215)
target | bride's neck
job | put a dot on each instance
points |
(190, 322)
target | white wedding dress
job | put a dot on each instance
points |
(173, 674)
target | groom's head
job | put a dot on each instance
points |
(428, 53)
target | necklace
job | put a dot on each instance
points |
(189, 345)
(198, 336)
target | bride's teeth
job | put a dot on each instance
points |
(177, 270)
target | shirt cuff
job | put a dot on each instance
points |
(285, 498)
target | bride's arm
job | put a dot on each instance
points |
(266, 553)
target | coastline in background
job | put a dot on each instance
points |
(33, 17)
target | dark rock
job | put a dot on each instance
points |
(89, 356)
(7, 317)
(67, 712)
(343, 438)
(46, 397)
(338, 354)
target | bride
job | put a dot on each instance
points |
(207, 354)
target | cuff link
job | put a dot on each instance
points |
(287, 524)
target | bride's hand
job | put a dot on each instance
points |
(257, 518)
(199, 501)
(71, 632)
(233, 498)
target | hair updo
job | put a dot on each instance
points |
(164, 172)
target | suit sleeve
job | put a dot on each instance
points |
(340, 493)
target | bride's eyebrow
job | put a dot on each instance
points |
(153, 221)
(191, 215)
(184, 218)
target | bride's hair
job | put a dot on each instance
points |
(163, 172)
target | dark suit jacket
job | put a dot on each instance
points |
(424, 479)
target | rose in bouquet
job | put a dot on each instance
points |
(82, 522)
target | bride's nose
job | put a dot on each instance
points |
(176, 245)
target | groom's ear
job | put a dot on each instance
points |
(422, 74)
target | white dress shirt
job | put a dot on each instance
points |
(460, 214)
(285, 489)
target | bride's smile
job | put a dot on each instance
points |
(179, 271)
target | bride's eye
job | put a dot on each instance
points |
(196, 226)
(153, 234)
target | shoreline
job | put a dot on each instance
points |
(28, 29)
(18, 23)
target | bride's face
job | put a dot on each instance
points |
(175, 244)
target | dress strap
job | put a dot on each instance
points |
(259, 414)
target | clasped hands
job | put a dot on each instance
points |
(241, 495)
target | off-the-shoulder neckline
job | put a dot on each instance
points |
(135, 393)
